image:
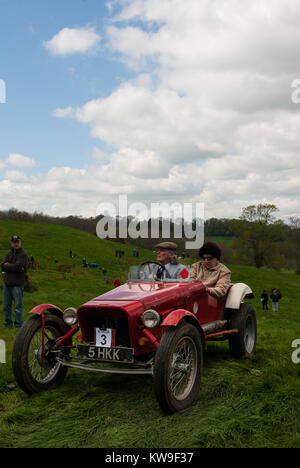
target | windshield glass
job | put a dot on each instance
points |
(153, 272)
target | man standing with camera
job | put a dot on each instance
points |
(14, 274)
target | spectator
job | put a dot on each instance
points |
(104, 273)
(275, 296)
(264, 300)
(117, 283)
(14, 274)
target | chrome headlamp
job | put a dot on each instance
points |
(70, 316)
(150, 318)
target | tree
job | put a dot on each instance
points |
(257, 234)
(295, 236)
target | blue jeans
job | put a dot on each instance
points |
(275, 306)
(13, 294)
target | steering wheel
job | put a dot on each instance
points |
(149, 262)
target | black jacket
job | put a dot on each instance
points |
(14, 273)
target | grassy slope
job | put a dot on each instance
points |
(251, 403)
(221, 239)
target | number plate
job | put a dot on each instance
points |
(105, 354)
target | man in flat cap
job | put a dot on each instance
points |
(14, 273)
(166, 255)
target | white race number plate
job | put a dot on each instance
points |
(105, 338)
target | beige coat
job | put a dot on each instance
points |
(217, 279)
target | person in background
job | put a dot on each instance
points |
(104, 273)
(210, 271)
(264, 300)
(117, 283)
(275, 296)
(14, 269)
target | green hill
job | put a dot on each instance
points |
(248, 403)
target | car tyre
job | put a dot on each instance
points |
(243, 343)
(33, 374)
(178, 367)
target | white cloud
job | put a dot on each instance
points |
(207, 117)
(15, 176)
(19, 160)
(63, 113)
(73, 40)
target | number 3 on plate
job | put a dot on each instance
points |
(104, 338)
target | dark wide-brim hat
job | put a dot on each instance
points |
(166, 246)
(210, 248)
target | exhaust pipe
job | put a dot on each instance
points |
(213, 326)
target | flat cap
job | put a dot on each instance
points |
(167, 246)
(15, 238)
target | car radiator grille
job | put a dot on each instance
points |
(120, 324)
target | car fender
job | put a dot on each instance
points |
(40, 309)
(236, 295)
(175, 317)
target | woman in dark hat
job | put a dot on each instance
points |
(210, 271)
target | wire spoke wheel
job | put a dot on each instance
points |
(243, 343)
(178, 367)
(34, 363)
(183, 369)
(42, 368)
(250, 334)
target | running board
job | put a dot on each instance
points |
(106, 370)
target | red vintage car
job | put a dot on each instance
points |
(146, 326)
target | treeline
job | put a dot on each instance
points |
(255, 238)
(213, 227)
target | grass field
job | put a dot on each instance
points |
(221, 239)
(247, 403)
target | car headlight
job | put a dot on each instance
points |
(70, 316)
(150, 318)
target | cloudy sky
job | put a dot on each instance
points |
(162, 100)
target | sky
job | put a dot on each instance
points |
(194, 101)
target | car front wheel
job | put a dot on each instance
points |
(178, 367)
(36, 371)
